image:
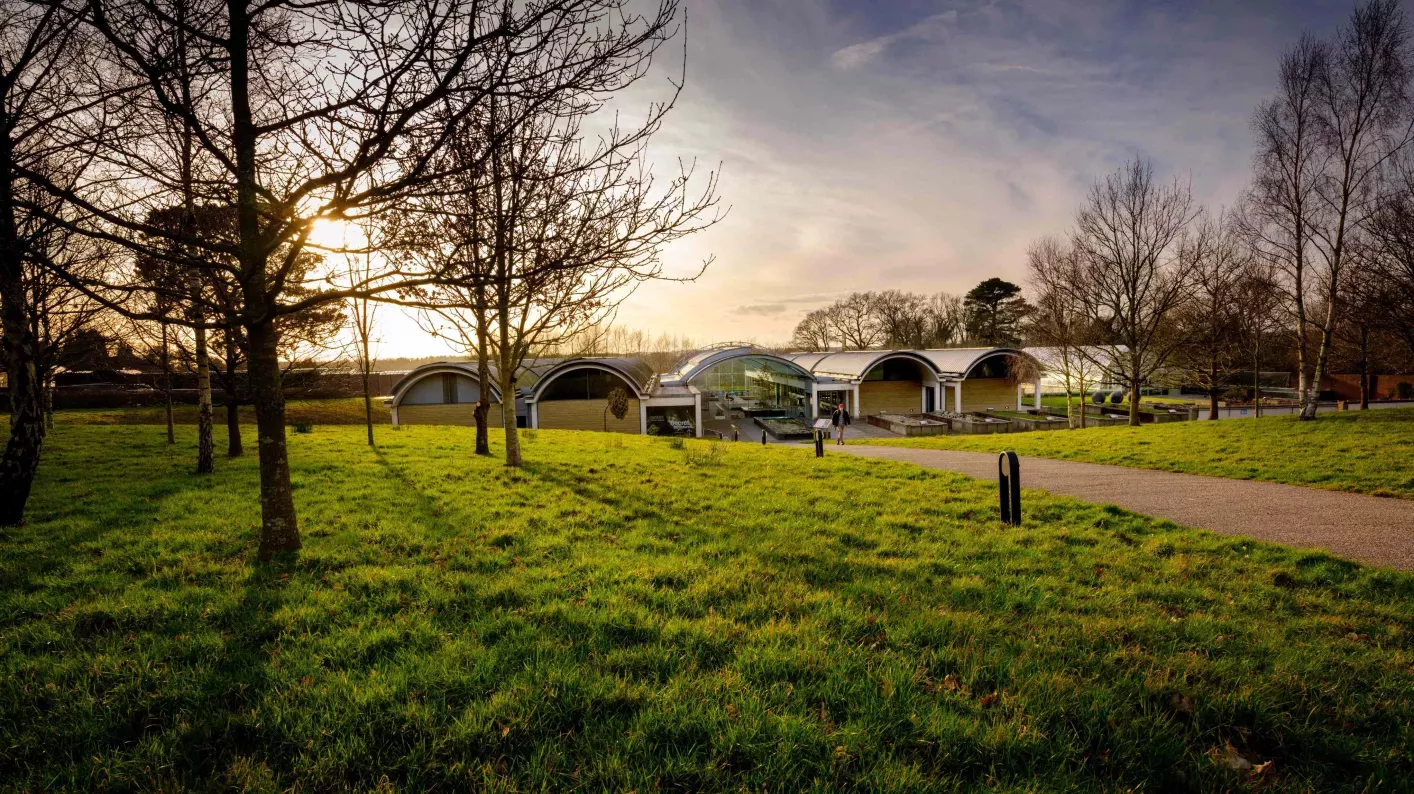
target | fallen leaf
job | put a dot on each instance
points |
(988, 700)
(1234, 760)
(1182, 705)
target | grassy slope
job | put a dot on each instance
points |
(1368, 452)
(342, 411)
(623, 615)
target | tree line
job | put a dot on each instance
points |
(169, 165)
(992, 314)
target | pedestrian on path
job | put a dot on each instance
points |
(840, 419)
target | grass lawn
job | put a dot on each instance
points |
(1363, 451)
(622, 615)
(341, 411)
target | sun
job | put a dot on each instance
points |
(330, 233)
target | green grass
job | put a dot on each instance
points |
(1363, 451)
(341, 411)
(623, 615)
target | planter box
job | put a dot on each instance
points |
(911, 424)
(1029, 421)
(1093, 416)
(783, 429)
(975, 424)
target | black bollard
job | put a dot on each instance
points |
(736, 434)
(819, 444)
(1009, 484)
(763, 438)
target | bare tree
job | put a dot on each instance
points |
(362, 312)
(856, 321)
(1324, 146)
(947, 320)
(565, 232)
(1210, 321)
(903, 318)
(815, 331)
(1391, 257)
(1131, 278)
(1060, 322)
(1365, 121)
(1281, 208)
(1259, 298)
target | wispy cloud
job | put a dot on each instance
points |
(931, 29)
(760, 309)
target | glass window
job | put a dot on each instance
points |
(585, 384)
(896, 369)
(994, 367)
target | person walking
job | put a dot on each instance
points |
(840, 419)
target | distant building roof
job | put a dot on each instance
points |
(634, 370)
(852, 365)
(463, 368)
(958, 361)
(699, 362)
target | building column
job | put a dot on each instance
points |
(642, 417)
(1020, 397)
(814, 401)
(957, 396)
(856, 401)
(395, 416)
(532, 418)
(697, 407)
(1038, 392)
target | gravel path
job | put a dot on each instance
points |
(1371, 529)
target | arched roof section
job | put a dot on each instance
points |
(854, 365)
(958, 362)
(634, 371)
(465, 369)
(694, 365)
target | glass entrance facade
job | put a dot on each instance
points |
(752, 386)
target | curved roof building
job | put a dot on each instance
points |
(720, 387)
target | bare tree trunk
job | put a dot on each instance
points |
(508, 418)
(167, 385)
(21, 459)
(1364, 367)
(234, 447)
(205, 446)
(1308, 411)
(279, 529)
(1257, 379)
(1134, 401)
(1213, 391)
(483, 400)
(367, 402)
(48, 403)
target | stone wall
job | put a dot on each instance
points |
(891, 396)
(586, 415)
(979, 394)
(455, 414)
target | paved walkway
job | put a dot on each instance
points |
(1371, 529)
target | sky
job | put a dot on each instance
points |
(923, 144)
